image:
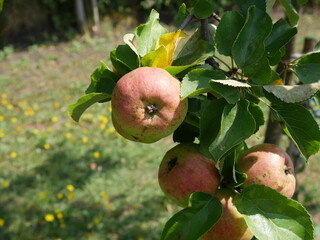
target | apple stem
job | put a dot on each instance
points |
(151, 109)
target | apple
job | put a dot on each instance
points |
(146, 105)
(231, 225)
(269, 165)
(184, 170)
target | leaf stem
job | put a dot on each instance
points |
(186, 21)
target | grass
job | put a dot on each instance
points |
(61, 180)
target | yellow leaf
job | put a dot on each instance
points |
(163, 55)
(170, 42)
(278, 82)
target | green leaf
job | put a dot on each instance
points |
(102, 80)
(257, 114)
(197, 82)
(174, 70)
(236, 121)
(118, 66)
(148, 34)
(290, 11)
(227, 31)
(274, 60)
(259, 72)
(248, 47)
(269, 7)
(1, 5)
(210, 124)
(280, 35)
(294, 93)
(302, 2)
(308, 68)
(231, 94)
(129, 40)
(195, 50)
(270, 215)
(182, 13)
(202, 8)
(185, 133)
(244, 5)
(300, 126)
(76, 109)
(192, 222)
(127, 56)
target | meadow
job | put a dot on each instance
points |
(61, 180)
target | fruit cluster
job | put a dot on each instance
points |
(146, 107)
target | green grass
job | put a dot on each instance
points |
(44, 155)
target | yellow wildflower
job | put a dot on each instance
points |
(56, 105)
(47, 146)
(4, 95)
(103, 194)
(70, 195)
(13, 154)
(29, 111)
(110, 130)
(70, 188)
(14, 120)
(103, 126)
(42, 195)
(5, 184)
(49, 217)
(96, 154)
(54, 119)
(140, 238)
(19, 128)
(35, 131)
(59, 215)
(1, 118)
(2, 222)
(4, 102)
(89, 235)
(68, 135)
(97, 220)
(9, 106)
(85, 130)
(22, 103)
(1, 134)
(110, 109)
(85, 139)
(59, 195)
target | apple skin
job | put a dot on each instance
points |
(269, 165)
(146, 105)
(184, 170)
(231, 225)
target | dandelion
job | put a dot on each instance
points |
(59, 215)
(103, 125)
(14, 120)
(4, 102)
(4, 95)
(5, 184)
(2, 222)
(22, 103)
(49, 217)
(104, 119)
(35, 131)
(109, 206)
(97, 220)
(110, 109)
(110, 130)
(59, 195)
(85, 139)
(85, 130)
(70, 188)
(68, 135)
(140, 238)
(19, 128)
(47, 146)
(9, 106)
(13, 154)
(42, 195)
(29, 112)
(70, 195)
(89, 235)
(49, 129)
(103, 194)
(1, 134)
(54, 119)
(1, 118)
(96, 154)
(56, 105)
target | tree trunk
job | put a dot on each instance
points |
(81, 16)
(96, 17)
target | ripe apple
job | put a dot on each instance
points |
(269, 165)
(231, 225)
(185, 170)
(146, 105)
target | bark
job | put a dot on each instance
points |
(96, 17)
(81, 15)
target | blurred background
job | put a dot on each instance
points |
(61, 180)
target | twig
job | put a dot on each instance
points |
(216, 17)
(186, 21)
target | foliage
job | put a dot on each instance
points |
(228, 112)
